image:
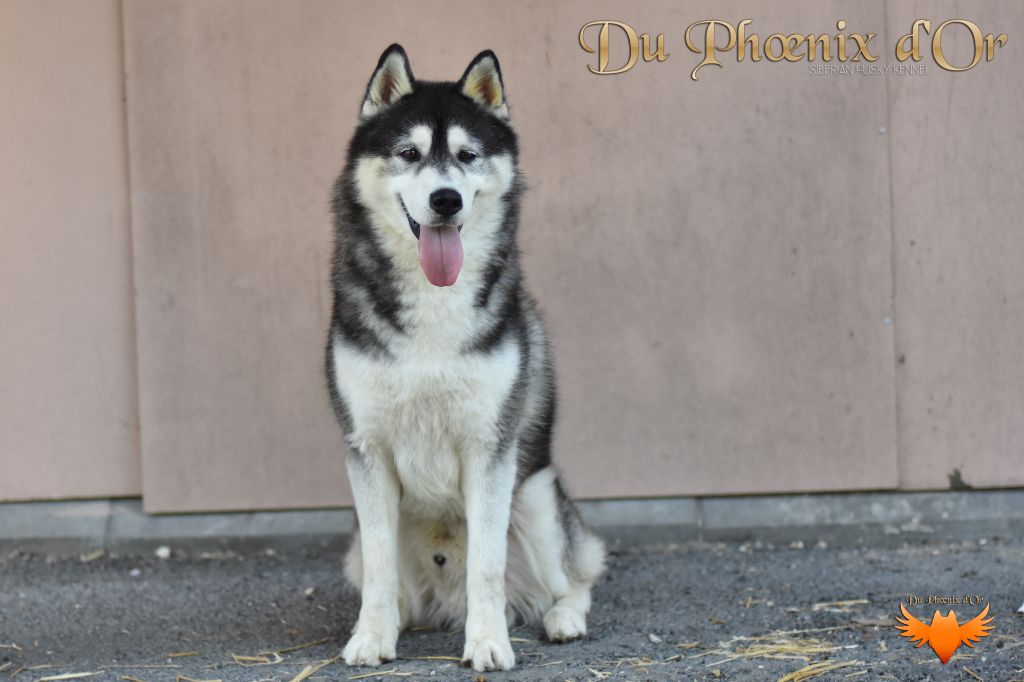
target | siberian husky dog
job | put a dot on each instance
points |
(440, 373)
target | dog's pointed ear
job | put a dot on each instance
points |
(482, 84)
(391, 81)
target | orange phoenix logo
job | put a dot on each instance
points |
(945, 634)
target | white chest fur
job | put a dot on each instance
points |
(426, 411)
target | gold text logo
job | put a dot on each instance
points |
(619, 47)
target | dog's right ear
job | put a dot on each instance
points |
(391, 81)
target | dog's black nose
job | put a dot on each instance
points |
(447, 202)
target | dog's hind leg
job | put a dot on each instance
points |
(564, 555)
(584, 560)
(567, 619)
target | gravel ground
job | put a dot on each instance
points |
(661, 612)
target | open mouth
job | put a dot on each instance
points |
(440, 250)
(415, 226)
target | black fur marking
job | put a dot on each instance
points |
(535, 444)
(341, 411)
(372, 277)
(511, 417)
(571, 520)
(494, 271)
(507, 319)
(351, 330)
(439, 154)
(535, 441)
(439, 106)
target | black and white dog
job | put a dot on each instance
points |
(440, 374)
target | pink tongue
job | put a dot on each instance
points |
(440, 254)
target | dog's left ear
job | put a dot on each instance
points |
(482, 84)
(391, 81)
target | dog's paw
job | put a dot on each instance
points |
(368, 648)
(563, 623)
(490, 653)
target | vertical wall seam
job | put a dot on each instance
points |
(893, 251)
(133, 310)
(699, 509)
(107, 526)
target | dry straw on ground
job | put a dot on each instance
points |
(787, 645)
(815, 669)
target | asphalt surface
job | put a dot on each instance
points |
(661, 612)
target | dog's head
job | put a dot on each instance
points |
(433, 161)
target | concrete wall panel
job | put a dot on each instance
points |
(236, 123)
(68, 422)
(958, 200)
(713, 257)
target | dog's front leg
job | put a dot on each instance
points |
(487, 489)
(375, 489)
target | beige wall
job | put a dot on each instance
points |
(796, 300)
(230, 175)
(959, 254)
(68, 420)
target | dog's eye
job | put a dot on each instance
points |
(466, 156)
(411, 154)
